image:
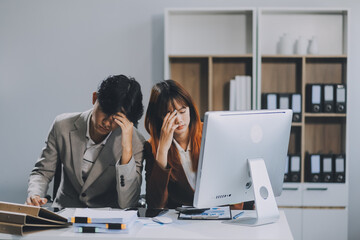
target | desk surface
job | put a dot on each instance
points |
(178, 229)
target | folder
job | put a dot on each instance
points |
(20, 229)
(339, 168)
(283, 101)
(295, 166)
(20, 218)
(313, 98)
(328, 98)
(269, 101)
(286, 172)
(327, 168)
(340, 99)
(296, 107)
(313, 168)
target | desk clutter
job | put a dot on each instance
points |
(19, 219)
(86, 220)
(214, 213)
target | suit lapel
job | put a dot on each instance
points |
(78, 144)
(108, 156)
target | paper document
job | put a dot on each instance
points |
(215, 213)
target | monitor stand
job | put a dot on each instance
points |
(265, 203)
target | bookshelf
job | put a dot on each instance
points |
(206, 48)
(309, 206)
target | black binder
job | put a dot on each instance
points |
(328, 98)
(269, 101)
(327, 168)
(295, 167)
(340, 99)
(339, 168)
(296, 107)
(313, 98)
(283, 101)
(313, 168)
(286, 172)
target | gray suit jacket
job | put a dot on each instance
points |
(109, 184)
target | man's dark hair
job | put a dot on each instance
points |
(118, 93)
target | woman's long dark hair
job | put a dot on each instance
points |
(162, 98)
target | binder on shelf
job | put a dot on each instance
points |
(19, 219)
(286, 172)
(313, 98)
(339, 168)
(328, 98)
(340, 99)
(313, 168)
(327, 168)
(269, 101)
(283, 101)
(295, 166)
(296, 106)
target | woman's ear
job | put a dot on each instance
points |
(94, 98)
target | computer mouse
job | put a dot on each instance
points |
(161, 219)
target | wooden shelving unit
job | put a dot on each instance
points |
(206, 62)
(323, 133)
(205, 48)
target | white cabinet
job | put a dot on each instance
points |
(315, 210)
(324, 224)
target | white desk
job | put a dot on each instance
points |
(179, 229)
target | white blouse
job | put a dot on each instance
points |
(185, 159)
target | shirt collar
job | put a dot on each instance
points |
(90, 141)
(188, 148)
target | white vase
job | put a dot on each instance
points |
(313, 46)
(286, 45)
(301, 46)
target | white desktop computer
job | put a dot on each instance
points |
(242, 158)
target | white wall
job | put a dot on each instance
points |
(53, 54)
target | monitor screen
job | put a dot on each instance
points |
(229, 140)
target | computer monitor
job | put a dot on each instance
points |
(242, 158)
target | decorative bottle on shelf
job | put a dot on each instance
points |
(313, 46)
(285, 45)
(301, 45)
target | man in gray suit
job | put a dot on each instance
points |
(100, 151)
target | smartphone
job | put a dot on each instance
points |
(151, 212)
(191, 210)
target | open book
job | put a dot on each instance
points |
(19, 218)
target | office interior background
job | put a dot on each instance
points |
(53, 54)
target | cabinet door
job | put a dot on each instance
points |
(322, 194)
(294, 218)
(290, 196)
(325, 224)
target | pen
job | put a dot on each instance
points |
(238, 215)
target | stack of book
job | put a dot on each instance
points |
(240, 93)
(19, 219)
(86, 220)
